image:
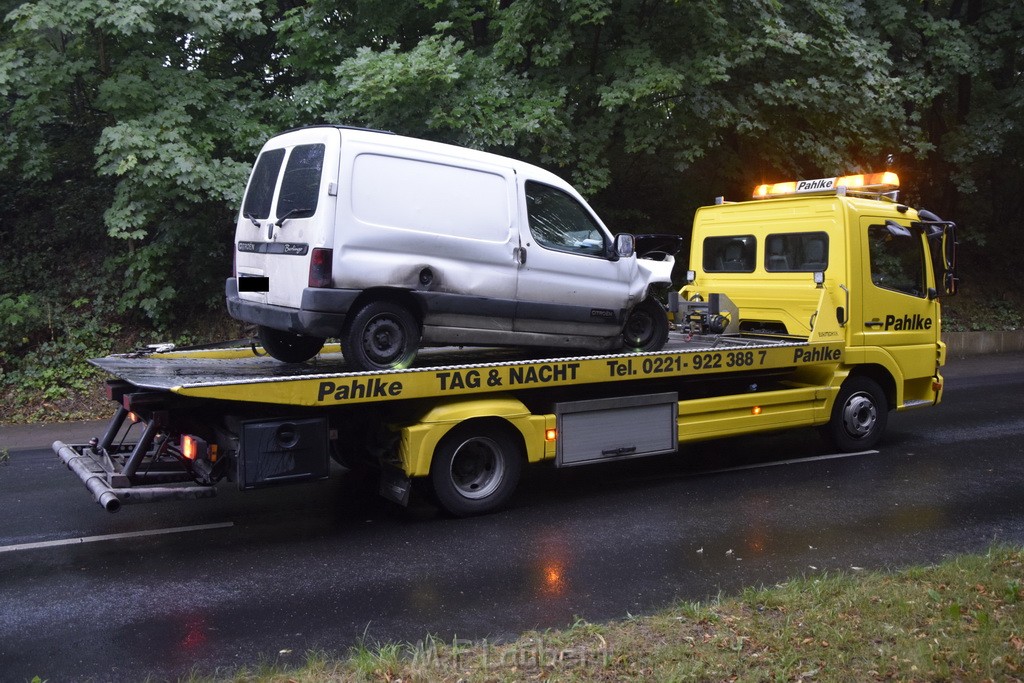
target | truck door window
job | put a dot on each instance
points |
(558, 221)
(300, 189)
(796, 252)
(732, 254)
(897, 261)
(261, 188)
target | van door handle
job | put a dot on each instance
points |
(519, 254)
(873, 323)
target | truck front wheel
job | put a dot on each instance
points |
(646, 327)
(476, 468)
(289, 347)
(859, 415)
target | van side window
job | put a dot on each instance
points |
(796, 252)
(300, 189)
(732, 254)
(897, 262)
(261, 188)
(558, 221)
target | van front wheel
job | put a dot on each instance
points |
(646, 327)
(289, 347)
(383, 335)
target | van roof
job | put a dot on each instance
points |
(521, 168)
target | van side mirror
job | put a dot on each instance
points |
(625, 245)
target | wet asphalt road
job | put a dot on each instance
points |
(322, 565)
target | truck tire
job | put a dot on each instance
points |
(383, 335)
(289, 347)
(475, 469)
(646, 327)
(859, 416)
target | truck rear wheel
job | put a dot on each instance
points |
(476, 468)
(383, 335)
(646, 327)
(859, 415)
(289, 347)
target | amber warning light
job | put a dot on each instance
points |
(863, 182)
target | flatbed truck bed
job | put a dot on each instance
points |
(251, 413)
(242, 375)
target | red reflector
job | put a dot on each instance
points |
(320, 265)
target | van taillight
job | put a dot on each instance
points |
(320, 263)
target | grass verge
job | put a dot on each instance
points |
(962, 620)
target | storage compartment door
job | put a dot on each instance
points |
(616, 428)
(283, 452)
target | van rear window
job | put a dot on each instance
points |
(261, 188)
(300, 189)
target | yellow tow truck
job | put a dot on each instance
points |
(815, 304)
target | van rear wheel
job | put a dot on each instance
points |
(646, 327)
(289, 347)
(383, 335)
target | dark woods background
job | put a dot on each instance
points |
(129, 129)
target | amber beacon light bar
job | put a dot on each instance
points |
(863, 182)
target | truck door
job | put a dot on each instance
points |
(900, 311)
(569, 280)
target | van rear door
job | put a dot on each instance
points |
(287, 212)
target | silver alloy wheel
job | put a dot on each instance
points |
(477, 467)
(859, 415)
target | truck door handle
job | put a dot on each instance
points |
(873, 323)
(519, 254)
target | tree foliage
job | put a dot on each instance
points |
(129, 127)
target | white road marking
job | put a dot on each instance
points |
(793, 461)
(113, 537)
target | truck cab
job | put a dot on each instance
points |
(833, 259)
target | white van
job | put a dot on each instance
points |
(390, 243)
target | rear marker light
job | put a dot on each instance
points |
(192, 447)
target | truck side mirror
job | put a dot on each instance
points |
(949, 244)
(625, 245)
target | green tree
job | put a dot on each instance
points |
(129, 127)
